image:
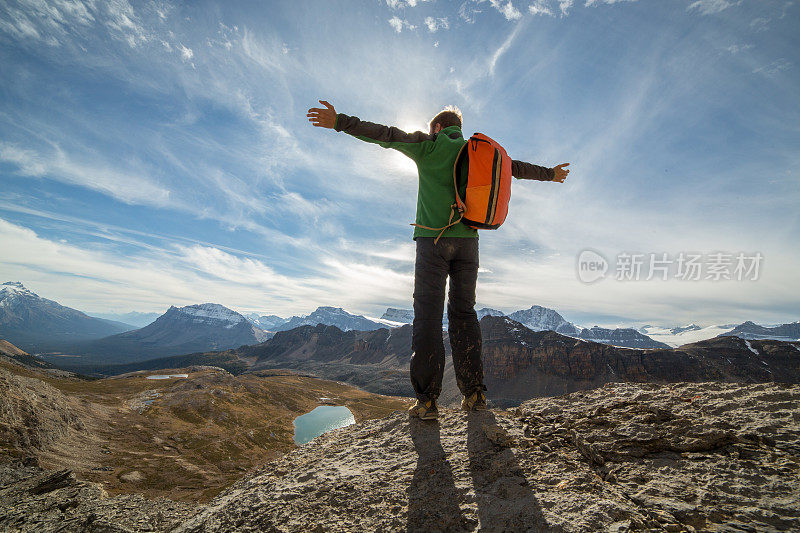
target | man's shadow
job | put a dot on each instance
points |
(502, 492)
(432, 497)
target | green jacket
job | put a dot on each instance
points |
(435, 156)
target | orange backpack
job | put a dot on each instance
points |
(488, 187)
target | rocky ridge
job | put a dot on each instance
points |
(719, 457)
(623, 457)
(520, 364)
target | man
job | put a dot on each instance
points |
(454, 254)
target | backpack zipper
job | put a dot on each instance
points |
(495, 187)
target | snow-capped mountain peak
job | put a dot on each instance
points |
(211, 312)
(13, 293)
(331, 316)
(266, 322)
(683, 329)
(10, 288)
(677, 336)
(28, 320)
(539, 318)
(402, 316)
(332, 310)
(488, 311)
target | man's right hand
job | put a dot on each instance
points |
(322, 118)
(560, 172)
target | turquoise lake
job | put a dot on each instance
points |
(321, 420)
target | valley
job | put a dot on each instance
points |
(181, 438)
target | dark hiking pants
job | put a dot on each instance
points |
(456, 257)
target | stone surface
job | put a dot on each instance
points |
(624, 457)
(37, 501)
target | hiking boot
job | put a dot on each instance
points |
(474, 402)
(424, 410)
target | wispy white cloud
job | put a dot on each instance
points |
(435, 24)
(709, 7)
(774, 67)
(469, 10)
(186, 53)
(397, 4)
(50, 22)
(122, 20)
(398, 24)
(156, 278)
(20, 26)
(266, 53)
(543, 7)
(760, 24)
(590, 3)
(540, 7)
(507, 9)
(502, 49)
(736, 48)
(104, 231)
(126, 186)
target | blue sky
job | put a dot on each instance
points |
(157, 153)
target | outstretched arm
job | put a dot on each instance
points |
(528, 171)
(411, 144)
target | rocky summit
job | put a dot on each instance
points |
(707, 456)
(623, 457)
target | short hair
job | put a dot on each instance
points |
(449, 116)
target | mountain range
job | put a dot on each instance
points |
(331, 316)
(539, 318)
(39, 325)
(749, 330)
(519, 363)
(34, 323)
(180, 330)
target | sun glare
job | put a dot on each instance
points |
(411, 124)
(401, 163)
